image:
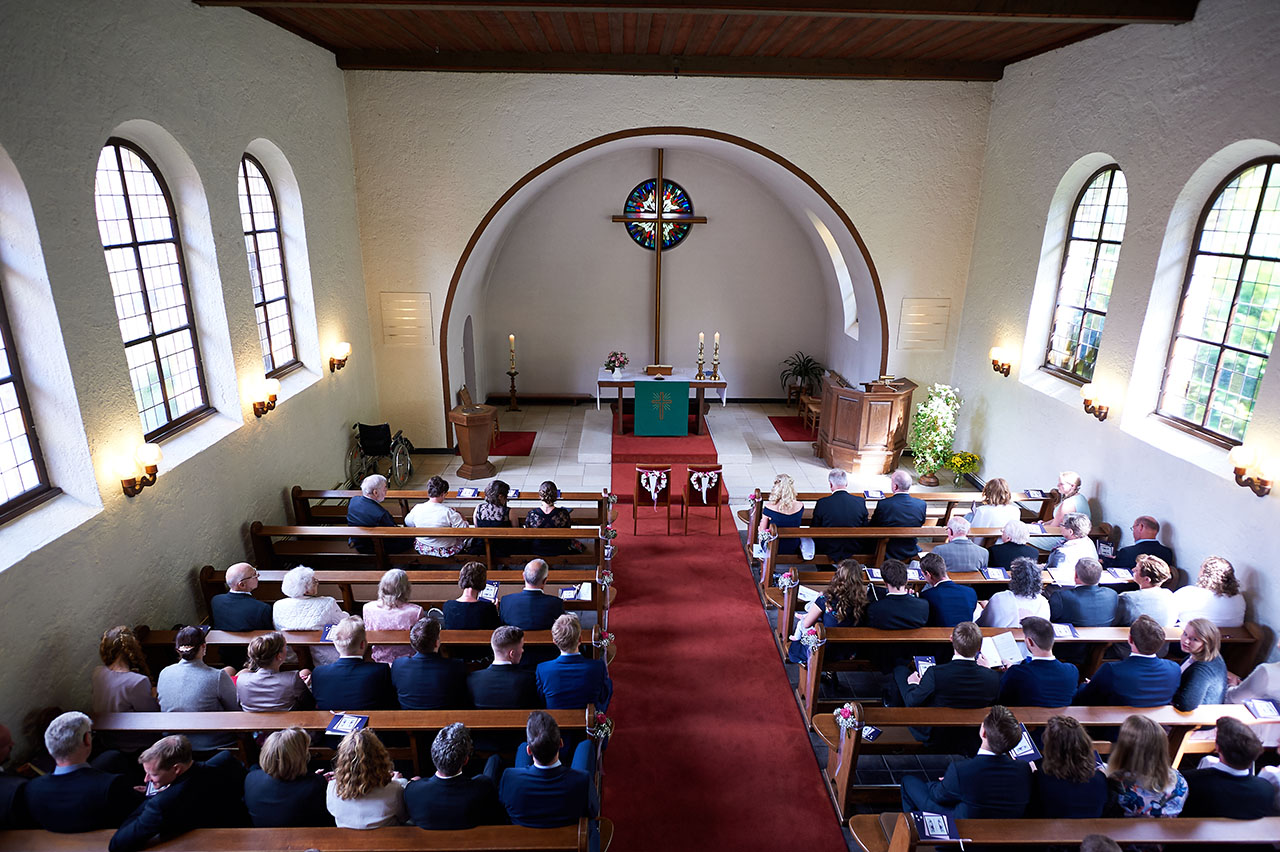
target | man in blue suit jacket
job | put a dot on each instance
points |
(548, 794)
(237, 610)
(839, 509)
(900, 510)
(1226, 787)
(571, 680)
(352, 682)
(531, 608)
(76, 797)
(428, 681)
(447, 801)
(949, 602)
(1088, 604)
(990, 786)
(1041, 681)
(1139, 680)
(366, 510)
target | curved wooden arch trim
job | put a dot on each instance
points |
(631, 134)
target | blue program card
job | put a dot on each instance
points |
(513, 493)
(468, 492)
(1035, 494)
(924, 663)
(915, 574)
(874, 574)
(995, 573)
(490, 592)
(935, 826)
(346, 723)
(326, 634)
(873, 495)
(870, 732)
(1026, 749)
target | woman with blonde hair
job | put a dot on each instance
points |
(122, 684)
(262, 688)
(1151, 597)
(1215, 596)
(997, 507)
(366, 791)
(785, 510)
(1069, 784)
(1204, 672)
(1141, 779)
(279, 792)
(842, 604)
(391, 611)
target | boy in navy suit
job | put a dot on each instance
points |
(447, 801)
(990, 786)
(949, 602)
(505, 685)
(428, 681)
(1226, 787)
(547, 793)
(76, 797)
(898, 609)
(572, 681)
(1041, 681)
(352, 682)
(1139, 680)
(900, 509)
(963, 682)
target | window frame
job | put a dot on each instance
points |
(46, 490)
(1053, 369)
(241, 174)
(1199, 430)
(175, 424)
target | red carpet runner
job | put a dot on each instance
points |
(709, 753)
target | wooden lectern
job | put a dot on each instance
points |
(864, 431)
(474, 428)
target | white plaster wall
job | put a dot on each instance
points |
(572, 285)
(433, 153)
(215, 81)
(1161, 101)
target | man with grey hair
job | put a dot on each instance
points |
(900, 510)
(352, 682)
(77, 797)
(1076, 545)
(366, 510)
(447, 801)
(840, 509)
(1086, 604)
(959, 552)
(531, 608)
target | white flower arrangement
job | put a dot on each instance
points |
(846, 718)
(934, 428)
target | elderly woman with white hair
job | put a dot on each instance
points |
(1015, 542)
(391, 611)
(304, 608)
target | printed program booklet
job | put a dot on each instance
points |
(924, 663)
(935, 826)
(346, 723)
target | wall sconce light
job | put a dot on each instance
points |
(1092, 404)
(1000, 360)
(1252, 471)
(270, 390)
(338, 355)
(148, 456)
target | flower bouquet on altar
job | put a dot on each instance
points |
(616, 361)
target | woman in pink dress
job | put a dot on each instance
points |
(391, 611)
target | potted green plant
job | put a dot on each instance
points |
(932, 430)
(803, 370)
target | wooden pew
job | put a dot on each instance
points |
(313, 507)
(487, 838)
(1240, 647)
(895, 832)
(844, 748)
(442, 586)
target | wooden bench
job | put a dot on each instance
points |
(844, 747)
(430, 588)
(486, 838)
(895, 832)
(312, 507)
(1240, 647)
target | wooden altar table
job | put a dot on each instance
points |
(628, 379)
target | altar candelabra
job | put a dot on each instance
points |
(512, 405)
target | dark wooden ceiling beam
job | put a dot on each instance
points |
(690, 66)
(1112, 12)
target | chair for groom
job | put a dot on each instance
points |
(653, 486)
(703, 486)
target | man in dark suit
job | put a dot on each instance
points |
(352, 682)
(572, 681)
(959, 552)
(237, 609)
(531, 608)
(428, 681)
(839, 509)
(366, 510)
(1144, 529)
(1139, 680)
(898, 609)
(191, 795)
(1226, 787)
(991, 785)
(1041, 681)
(1088, 604)
(959, 683)
(900, 510)
(447, 801)
(548, 794)
(12, 788)
(505, 685)
(76, 797)
(949, 602)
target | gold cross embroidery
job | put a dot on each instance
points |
(661, 402)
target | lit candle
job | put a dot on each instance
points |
(717, 338)
(512, 339)
(701, 338)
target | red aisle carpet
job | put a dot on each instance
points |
(709, 753)
(699, 449)
(513, 444)
(792, 428)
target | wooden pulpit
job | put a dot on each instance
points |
(864, 430)
(474, 428)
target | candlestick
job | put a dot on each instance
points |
(715, 359)
(512, 373)
(701, 374)
(512, 339)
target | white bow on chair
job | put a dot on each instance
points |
(653, 481)
(703, 480)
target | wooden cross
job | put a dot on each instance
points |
(659, 218)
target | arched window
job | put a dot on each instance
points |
(148, 277)
(24, 482)
(1088, 269)
(1230, 308)
(266, 267)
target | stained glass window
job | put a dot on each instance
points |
(1088, 270)
(258, 217)
(1230, 308)
(674, 200)
(148, 277)
(24, 482)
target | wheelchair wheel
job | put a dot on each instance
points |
(401, 465)
(356, 463)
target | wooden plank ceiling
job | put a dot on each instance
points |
(892, 39)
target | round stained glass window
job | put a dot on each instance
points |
(642, 200)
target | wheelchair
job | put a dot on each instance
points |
(373, 445)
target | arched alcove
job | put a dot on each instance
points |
(854, 326)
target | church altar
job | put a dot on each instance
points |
(628, 378)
